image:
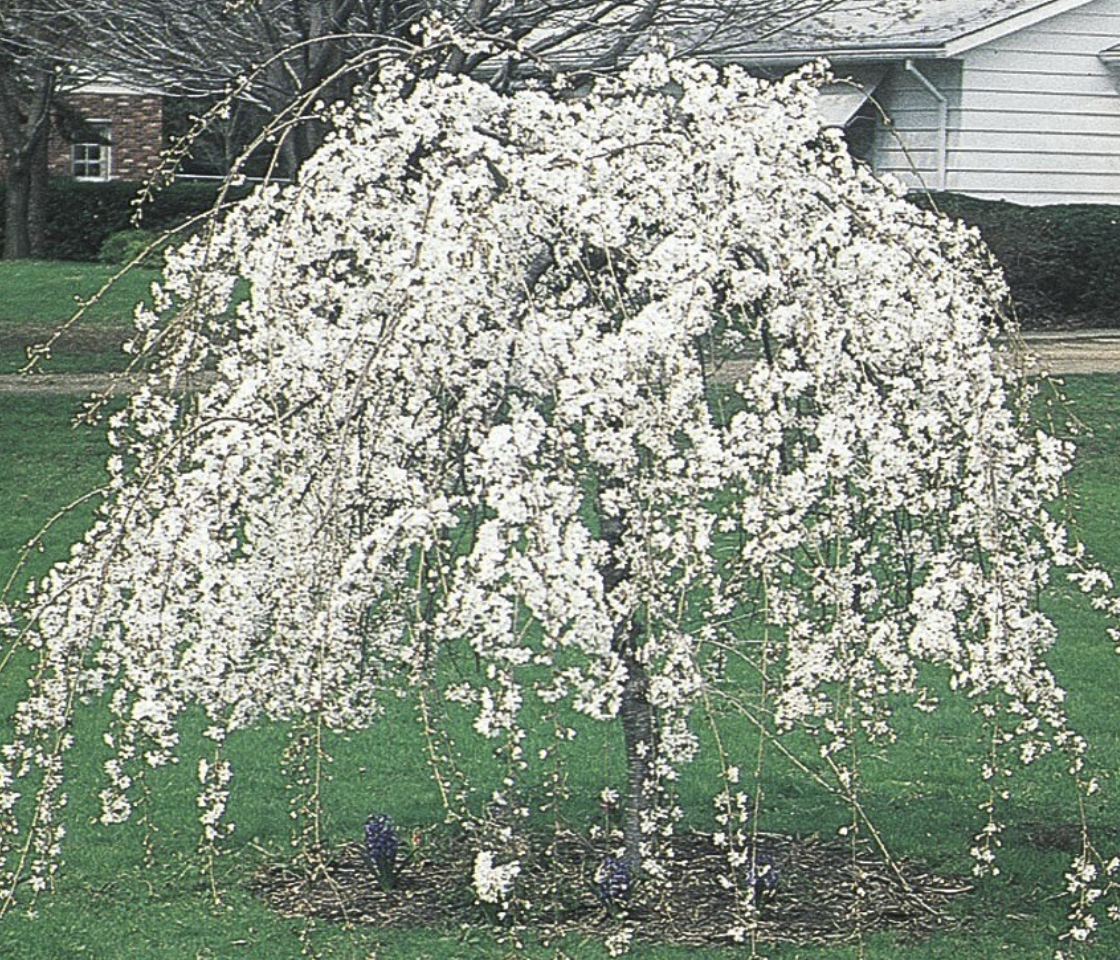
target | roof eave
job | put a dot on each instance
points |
(1012, 24)
(864, 54)
(110, 88)
(950, 44)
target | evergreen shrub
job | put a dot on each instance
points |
(1060, 261)
(81, 215)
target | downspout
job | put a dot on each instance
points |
(942, 123)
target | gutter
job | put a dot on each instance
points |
(834, 54)
(942, 123)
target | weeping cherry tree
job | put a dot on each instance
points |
(646, 403)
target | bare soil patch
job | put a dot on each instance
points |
(89, 337)
(826, 892)
(88, 384)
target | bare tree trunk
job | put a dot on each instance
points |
(17, 207)
(37, 199)
(639, 730)
(26, 100)
(637, 715)
(25, 213)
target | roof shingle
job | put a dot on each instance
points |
(865, 26)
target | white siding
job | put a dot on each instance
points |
(1033, 117)
(908, 147)
(1039, 113)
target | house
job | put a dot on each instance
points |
(1013, 100)
(107, 131)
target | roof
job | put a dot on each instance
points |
(115, 87)
(877, 29)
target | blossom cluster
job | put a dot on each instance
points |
(493, 882)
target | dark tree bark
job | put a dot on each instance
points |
(17, 237)
(25, 111)
(37, 205)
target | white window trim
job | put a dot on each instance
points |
(106, 159)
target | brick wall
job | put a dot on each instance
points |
(137, 133)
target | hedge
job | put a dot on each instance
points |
(1061, 262)
(82, 215)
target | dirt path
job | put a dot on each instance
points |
(78, 384)
(1083, 351)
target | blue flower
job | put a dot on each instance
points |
(612, 880)
(382, 848)
(762, 875)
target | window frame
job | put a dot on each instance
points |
(88, 154)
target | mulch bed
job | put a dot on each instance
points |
(826, 893)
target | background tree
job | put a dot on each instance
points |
(572, 404)
(26, 100)
(29, 82)
(44, 52)
(276, 60)
(270, 65)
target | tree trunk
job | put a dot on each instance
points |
(24, 130)
(17, 209)
(637, 715)
(37, 200)
(25, 209)
(639, 730)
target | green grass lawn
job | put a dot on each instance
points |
(114, 901)
(47, 292)
(37, 297)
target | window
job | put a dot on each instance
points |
(90, 156)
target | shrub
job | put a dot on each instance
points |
(82, 215)
(124, 246)
(1060, 261)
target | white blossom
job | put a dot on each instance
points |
(493, 883)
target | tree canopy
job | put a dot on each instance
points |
(647, 404)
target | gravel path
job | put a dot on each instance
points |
(1081, 351)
